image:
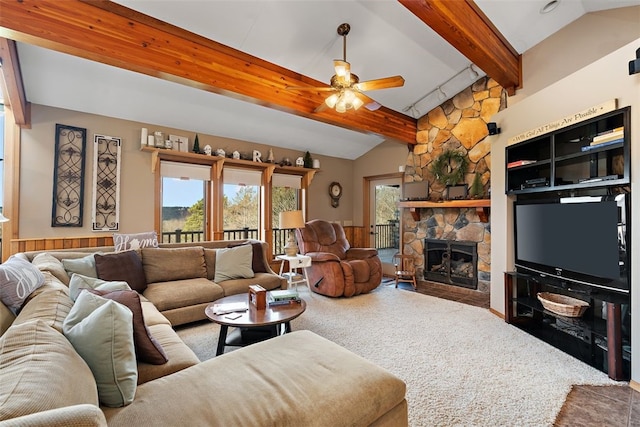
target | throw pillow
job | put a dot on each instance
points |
(38, 366)
(18, 278)
(257, 262)
(148, 350)
(125, 242)
(234, 263)
(85, 265)
(101, 331)
(47, 262)
(79, 282)
(166, 264)
(124, 266)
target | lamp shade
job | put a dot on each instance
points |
(291, 219)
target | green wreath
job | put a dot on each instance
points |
(449, 167)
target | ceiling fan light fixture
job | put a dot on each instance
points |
(357, 103)
(341, 68)
(332, 100)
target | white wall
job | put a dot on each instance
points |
(600, 81)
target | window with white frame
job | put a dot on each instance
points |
(242, 191)
(286, 195)
(184, 210)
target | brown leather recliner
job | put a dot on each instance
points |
(336, 268)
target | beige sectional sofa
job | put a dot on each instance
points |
(179, 276)
(296, 379)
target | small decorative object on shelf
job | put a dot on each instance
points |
(196, 145)
(270, 156)
(144, 137)
(449, 168)
(207, 150)
(285, 162)
(456, 192)
(159, 139)
(236, 155)
(257, 156)
(308, 161)
(300, 162)
(316, 163)
(477, 189)
(168, 144)
(220, 152)
(258, 297)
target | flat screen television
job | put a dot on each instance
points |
(580, 239)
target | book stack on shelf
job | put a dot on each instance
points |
(283, 297)
(610, 137)
(519, 163)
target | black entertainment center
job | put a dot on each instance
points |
(572, 228)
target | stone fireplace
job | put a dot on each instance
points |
(451, 262)
(457, 228)
(458, 124)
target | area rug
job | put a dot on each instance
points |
(463, 366)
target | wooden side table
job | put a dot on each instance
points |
(295, 263)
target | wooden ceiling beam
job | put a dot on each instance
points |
(467, 28)
(112, 34)
(12, 86)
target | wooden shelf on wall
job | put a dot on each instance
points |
(203, 159)
(482, 206)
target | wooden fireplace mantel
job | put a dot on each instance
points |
(482, 206)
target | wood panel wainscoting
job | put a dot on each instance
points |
(53, 243)
(355, 236)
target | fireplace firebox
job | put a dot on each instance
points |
(451, 262)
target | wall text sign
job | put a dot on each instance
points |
(566, 121)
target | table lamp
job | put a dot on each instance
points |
(291, 220)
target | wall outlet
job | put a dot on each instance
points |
(347, 222)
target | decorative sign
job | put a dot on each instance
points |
(106, 183)
(566, 121)
(68, 176)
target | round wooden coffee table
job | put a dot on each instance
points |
(255, 325)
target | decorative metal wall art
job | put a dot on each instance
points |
(105, 215)
(68, 176)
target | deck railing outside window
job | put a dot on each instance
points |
(387, 236)
(180, 236)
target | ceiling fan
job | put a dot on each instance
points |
(347, 87)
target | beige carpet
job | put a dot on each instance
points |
(463, 365)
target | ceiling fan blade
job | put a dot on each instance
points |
(320, 107)
(369, 103)
(311, 88)
(384, 83)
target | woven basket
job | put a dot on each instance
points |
(562, 304)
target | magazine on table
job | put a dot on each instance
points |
(229, 307)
